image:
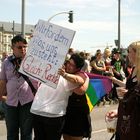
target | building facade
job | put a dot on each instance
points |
(7, 31)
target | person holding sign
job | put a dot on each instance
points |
(18, 95)
(49, 105)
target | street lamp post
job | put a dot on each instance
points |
(23, 18)
(119, 20)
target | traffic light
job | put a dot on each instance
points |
(71, 16)
(116, 42)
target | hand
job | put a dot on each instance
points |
(112, 114)
(61, 71)
(3, 98)
(121, 91)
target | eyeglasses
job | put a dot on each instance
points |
(20, 47)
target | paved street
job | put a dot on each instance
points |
(98, 123)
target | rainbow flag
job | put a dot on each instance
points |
(98, 87)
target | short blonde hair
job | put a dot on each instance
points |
(136, 47)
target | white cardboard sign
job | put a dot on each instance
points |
(46, 53)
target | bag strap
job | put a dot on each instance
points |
(12, 59)
(29, 82)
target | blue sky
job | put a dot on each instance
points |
(95, 21)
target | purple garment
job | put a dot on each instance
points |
(107, 83)
(17, 88)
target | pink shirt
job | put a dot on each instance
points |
(17, 88)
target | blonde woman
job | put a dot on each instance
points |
(107, 59)
(128, 125)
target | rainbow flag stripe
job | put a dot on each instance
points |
(98, 87)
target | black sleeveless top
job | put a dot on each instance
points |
(78, 103)
(131, 81)
(128, 124)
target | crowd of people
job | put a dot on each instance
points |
(107, 63)
(53, 113)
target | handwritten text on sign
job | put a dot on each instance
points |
(46, 52)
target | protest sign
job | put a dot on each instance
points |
(46, 53)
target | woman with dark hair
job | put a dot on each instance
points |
(77, 121)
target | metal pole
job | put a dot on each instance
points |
(3, 48)
(2, 36)
(13, 28)
(23, 18)
(119, 20)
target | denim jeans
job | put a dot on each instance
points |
(2, 107)
(18, 119)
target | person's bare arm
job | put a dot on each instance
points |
(74, 78)
(80, 80)
(2, 90)
(118, 82)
